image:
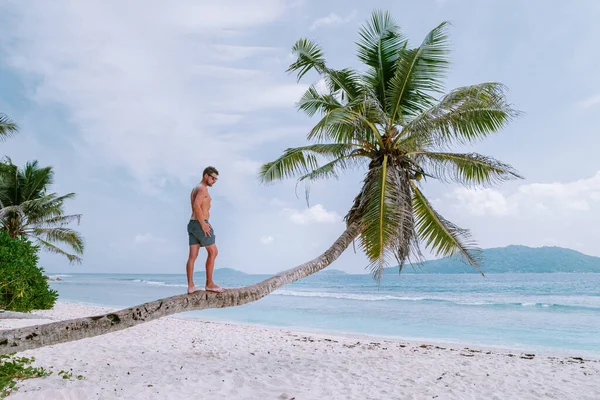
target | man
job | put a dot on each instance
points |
(201, 233)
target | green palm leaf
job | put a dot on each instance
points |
(51, 248)
(378, 47)
(345, 125)
(7, 127)
(469, 169)
(441, 236)
(417, 72)
(61, 234)
(465, 115)
(309, 55)
(312, 102)
(384, 210)
(333, 168)
(302, 160)
(346, 82)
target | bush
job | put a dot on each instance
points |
(22, 284)
(14, 369)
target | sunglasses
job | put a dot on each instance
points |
(214, 178)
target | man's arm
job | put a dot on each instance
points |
(198, 211)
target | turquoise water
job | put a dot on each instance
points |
(557, 312)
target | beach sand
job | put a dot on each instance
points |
(177, 358)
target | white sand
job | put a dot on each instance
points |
(175, 358)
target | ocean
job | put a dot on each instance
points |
(557, 313)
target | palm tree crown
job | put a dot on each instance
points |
(27, 209)
(395, 119)
(7, 127)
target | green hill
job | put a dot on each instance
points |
(514, 259)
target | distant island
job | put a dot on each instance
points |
(226, 270)
(328, 271)
(510, 259)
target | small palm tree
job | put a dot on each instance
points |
(28, 209)
(395, 120)
(7, 127)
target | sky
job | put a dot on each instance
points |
(130, 101)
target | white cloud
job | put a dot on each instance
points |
(266, 239)
(275, 202)
(484, 201)
(236, 53)
(147, 242)
(135, 77)
(590, 102)
(332, 19)
(545, 198)
(148, 239)
(316, 214)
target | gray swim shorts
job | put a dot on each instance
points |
(197, 235)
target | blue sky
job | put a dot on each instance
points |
(129, 101)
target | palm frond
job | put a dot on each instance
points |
(384, 209)
(51, 248)
(35, 180)
(43, 208)
(441, 236)
(470, 169)
(346, 83)
(379, 44)
(8, 128)
(417, 72)
(312, 102)
(333, 169)
(302, 160)
(60, 220)
(309, 56)
(346, 125)
(61, 235)
(465, 115)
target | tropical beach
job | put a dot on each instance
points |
(299, 200)
(175, 358)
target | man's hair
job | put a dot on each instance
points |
(209, 171)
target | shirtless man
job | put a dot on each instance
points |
(201, 233)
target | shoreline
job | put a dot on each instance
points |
(549, 352)
(543, 351)
(176, 357)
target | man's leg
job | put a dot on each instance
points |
(210, 265)
(189, 267)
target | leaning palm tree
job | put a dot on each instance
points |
(28, 209)
(387, 119)
(7, 127)
(395, 120)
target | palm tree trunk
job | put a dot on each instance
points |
(33, 337)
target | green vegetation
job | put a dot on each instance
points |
(29, 212)
(396, 119)
(69, 375)
(14, 369)
(22, 286)
(27, 209)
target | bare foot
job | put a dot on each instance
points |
(214, 288)
(192, 289)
